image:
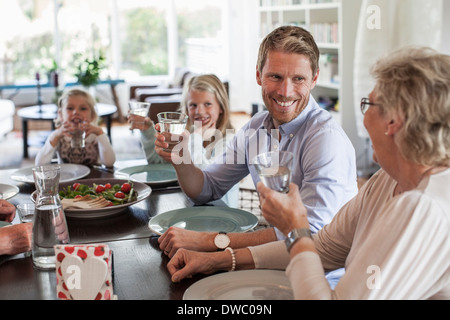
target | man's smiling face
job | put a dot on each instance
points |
(286, 81)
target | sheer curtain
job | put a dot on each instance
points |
(385, 25)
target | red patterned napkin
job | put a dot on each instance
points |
(84, 272)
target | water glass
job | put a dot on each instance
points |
(274, 169)
(139, 109)
(26, 212)
(172, 125)
(78, 135)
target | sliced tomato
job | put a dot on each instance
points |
(108, 186)
(75, 186)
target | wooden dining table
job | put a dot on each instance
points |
(139, 266)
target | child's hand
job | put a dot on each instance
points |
(64, 130)
(207, 131)
(91, 129)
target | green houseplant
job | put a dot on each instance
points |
(88, 70)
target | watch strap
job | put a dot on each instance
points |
(296, 235)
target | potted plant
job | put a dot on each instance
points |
(88, 70)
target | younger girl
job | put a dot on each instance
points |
(205, 101)
(77, 106)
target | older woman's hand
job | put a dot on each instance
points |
(185, 263)
(284, 211)
(7, 211)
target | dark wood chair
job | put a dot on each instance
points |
(143, 94)
(169, 104)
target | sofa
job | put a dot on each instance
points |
(8, 109)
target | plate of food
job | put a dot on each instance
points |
(120, 194)
(69, 172)
(153, 174)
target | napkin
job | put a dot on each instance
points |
(84, 272)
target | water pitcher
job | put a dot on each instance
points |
(50, 226)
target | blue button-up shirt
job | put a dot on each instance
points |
(324, 167)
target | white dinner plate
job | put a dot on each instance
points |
(69, 172)
(153, 174)
(242, 285)
(204, 218)
(8, 191)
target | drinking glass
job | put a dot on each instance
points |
(138, 109)
(172, 125)
(274, 168)
(26, 212)
(78, 135)
(49, 225)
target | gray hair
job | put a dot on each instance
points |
(414, 83)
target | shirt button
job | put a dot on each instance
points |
(291, 135)
(275, 147)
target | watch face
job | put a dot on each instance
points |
(221, 241)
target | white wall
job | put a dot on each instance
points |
(244, 45)
(446, 28)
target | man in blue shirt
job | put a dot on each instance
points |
(325, 165)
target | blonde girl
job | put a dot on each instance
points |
(205, 101)
(74, 106)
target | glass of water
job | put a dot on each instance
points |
(26, 212)
(172, 125)
(274, 168)
(78, 134)
(138, 112)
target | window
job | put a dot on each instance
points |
(138, 38)
(143, 33)
(201, 45)
(27, 46)
(83, 32)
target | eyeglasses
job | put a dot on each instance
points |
(365, 103)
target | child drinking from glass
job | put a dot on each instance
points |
(77, 139)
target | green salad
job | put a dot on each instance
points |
(117, 194)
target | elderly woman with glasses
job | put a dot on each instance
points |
(393, 237)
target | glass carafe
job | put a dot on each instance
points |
(50, 226)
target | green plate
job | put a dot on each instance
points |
(204, 218)
(153, 174)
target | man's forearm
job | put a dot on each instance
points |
(190, 178)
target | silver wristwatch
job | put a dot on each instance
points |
(295, 235)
